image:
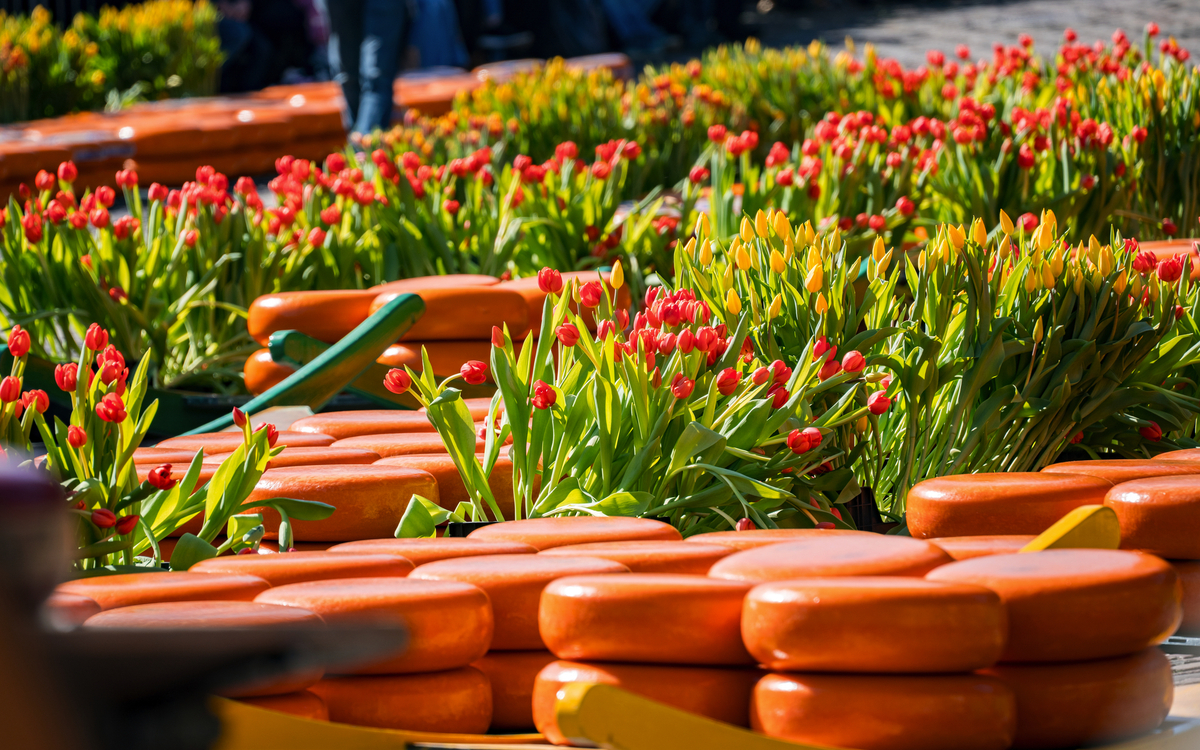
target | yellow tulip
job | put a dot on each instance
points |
(1005, 249)
(783, 227)
(1056, 261)
(1006, 224)
(742, 255)
(815, 279)
(921, 260)
(703, 228)
(1153, 288)
(1039, 331)
(1046, 238)
(1119, 284)
(732, 302)
(727, 281)
(706, 254)
(882, 267)
(690, 248)
(821, 305)
(1047, 276)
(809, 234)
(814, 257)
(956, 235)
(760, 224)
(1107, 261)
(1031, 280)
(978, 233)
(617, 277)
(747, 229)
(878, 249)
(862, 424)
(776, 306)
(835, 240)
(1135, 287)
(778, 264)
(789, 251)
(1094, 250)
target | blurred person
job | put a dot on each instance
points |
(435, 34)
(365, 44)
(247, 52)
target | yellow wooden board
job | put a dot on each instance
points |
(1090, 526)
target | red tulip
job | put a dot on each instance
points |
(104, 518)
(803, 441)
(66, 376)
(829, 369)
(160, 477)
(474, 372)
(1168, 227)
(127, 178)
(67, 172)
(105, 196)
(99, 217)
(568, 334)
(853, 362)
(397, 381)
(550, 281)
(111, 408)
(18, 342)
(706, 339)
(760, 376)
(1170, 270)
(728, 380)
(822, 346)
(272, 433)
(32, 224)
(127, 524)
(717, 133)
(10, 389)
(745, 524)
(43, 180)
(780, 372)
(687, 341)
(698, 174)
(878, 403)
(1151, 432)
(590, 293)
(544, 395)
(239, 416)
(38, 399)
(76, 437)
(682, 386)
(157, 192)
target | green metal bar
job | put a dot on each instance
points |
(297, 349)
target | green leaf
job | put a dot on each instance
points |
(421, 519)
(190, 550)
(301, 510)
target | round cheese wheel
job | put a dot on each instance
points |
(1159, 515)
(722, 694)
(876, 555)
(1189, 583)
(261, 372)
(449, 623)
(345, 424)
(457, 701)
(1013, 503)
(696, 620)
(280, 569)
(128, 589)
(310, 457)
(370, 500)
(742, 540)
(650, 556)
(210, 615)
(418, 284)
(511, 675)
(873, 624)
(1088, 703)
(62, 611)
(421, 551)
(326, 315)
(1187, 454)
(514, 584)
(966, 547)
(1076, 604)
(400, 444)
(886, 712)
(544, 533)
(179, 459)
(304, 703)
(451, 489)
(479, 407)
(1119, 470)
(463, 313)
(227, 442)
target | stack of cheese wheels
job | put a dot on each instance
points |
(1081, 627)
(428, 684)
(1161, 515)
(345, 424)
(1125, 469)
(310, 457)
(451, 489)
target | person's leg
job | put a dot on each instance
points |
(383, 41)
(345, 42)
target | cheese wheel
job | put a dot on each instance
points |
(445, 357)
(1186, 454)
(1076, 604)
(877, 555)
(216, 615)
(311, 457)
(457, 701)
(479, 407)
(128, 589)
(370, 500)
(449, 623)
(261, 373)
(1159, 515)
(718, 693)
(514, 584)
(1189, 583)
(418, 284)
(297, 567)
(545, 533)
(742, 540)
(227, 442)
(304, 703)
(451, 489)
(535, 298)
(63, 611)
(512, 675)
(1119, 470)
(886, 712)
(1088, 703)
(1013, 503)
(966, 547)
(180, 459)
(400, 444)
(696, 620)
(345, 424)
(421, 551)
(873, 624)
(463, 314)
(326, 315)
(651, 556)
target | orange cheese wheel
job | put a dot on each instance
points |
(457, 701)
(63, 611)
(210, 615)
(1187, 454)
(419, 284)
(1076, 604)
(873, 624)
(304, 703)
(445, 357)
(157, 456)
(722, 694)
(544, 533)
(696, 620)
(311, 457)
(1159, 515)
(833, 556)
(650, 556)
(421, 551)
(1124, 469)
(261, 373)
(742, 540)
(227, 442)
(370, 500)
(1013, 503)
(1189, 582)
(512, 675)
(400, 444)
(280, 569)
(449, 623)
(886, 712)
(128, 589)
(464, 314)
(535, 298)
(1091, 702)
(451, 489)
(966, 547)
(344, 424)
(514, 584)
(479, 407)
(326, 315)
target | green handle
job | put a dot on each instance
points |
(297, 349)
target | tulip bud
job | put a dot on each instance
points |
(687, 341)
(733, 303)
(778, 264)
(104, 518)
(1006, 224)
(853, 361)
(878, 249)
(706, 254)
(568, 334)
(815, 279)
(747, 230)
(821, 305)
(727, 381)
(10, 389)
(549, 281)
(744, 524)
(474, 372)
(1043, 236)
(127, 524)
(682, 387)
(703, 228)
(978, 233)
(776, 307)
(96, 337)
(239, 417)
(690, 248)
(761, 375)
(1151, 432)
(760, 224)
(1032, 280)
(956, 235)
(1005, 249)
(741, 255)
(76, 437)
(878, 403)
(1047, 276)
(884, 262)
(803, 441)
(1107, 260)
(617, 278)
(783, 227)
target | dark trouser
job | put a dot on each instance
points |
(364, 53)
